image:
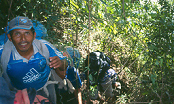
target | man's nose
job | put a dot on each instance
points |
(23, 37)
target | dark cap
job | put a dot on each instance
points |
(20, 22)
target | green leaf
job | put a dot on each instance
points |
(153, 78)
(90, 77)
(157, 63)
(161, 62)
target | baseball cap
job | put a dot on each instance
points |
(20, 22)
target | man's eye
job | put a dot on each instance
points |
(27, 33)
(17, 34)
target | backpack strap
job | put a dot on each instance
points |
(8, 46)
(6, 54)
(49, 87)
(43, 50)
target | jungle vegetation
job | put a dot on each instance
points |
(137, 35)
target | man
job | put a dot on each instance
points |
(99, 65)
(30, 61)
(68, 89)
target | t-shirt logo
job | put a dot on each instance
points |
(31, 76)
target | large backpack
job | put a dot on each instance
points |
(99, 63)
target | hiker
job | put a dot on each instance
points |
(102, 74)
(28, 63)
(68, 90)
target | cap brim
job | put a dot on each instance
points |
(20, 27)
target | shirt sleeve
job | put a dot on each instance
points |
(53, 51)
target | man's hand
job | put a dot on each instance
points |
(56, 63)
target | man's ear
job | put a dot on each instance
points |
(34, 35)
(9, 37)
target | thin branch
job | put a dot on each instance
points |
(9, 12)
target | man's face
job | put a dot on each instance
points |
(22, 39)
(61, 73)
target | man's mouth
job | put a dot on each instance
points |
(23, 44)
